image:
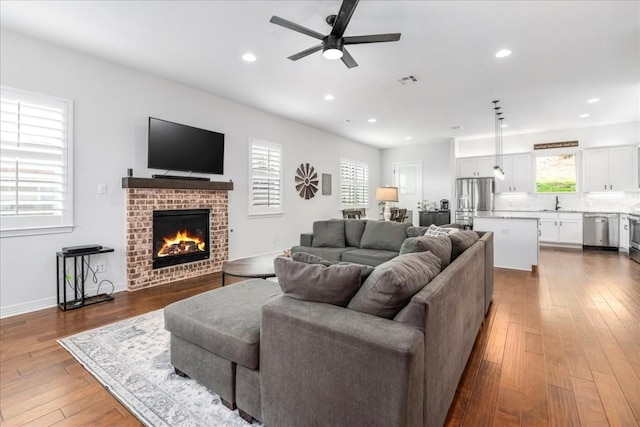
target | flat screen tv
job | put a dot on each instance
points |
(177, 147)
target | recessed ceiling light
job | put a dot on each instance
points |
(371, 120)
(249, 57)
(407, 138)
(593, 100)
(504, 126)
(503, 53)
(584, 116)
(457, 127)
(329, 97)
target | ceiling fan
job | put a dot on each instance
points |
(333, 45)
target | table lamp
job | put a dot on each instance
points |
(387, 194)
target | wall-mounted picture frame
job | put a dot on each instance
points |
(326, 184)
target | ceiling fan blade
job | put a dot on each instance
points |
(348, 59)
(305, 52)
(373, 38)
(344, 16)
(295, 27)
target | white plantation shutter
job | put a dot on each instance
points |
(354, 183)
(35, 152)
(265, 196)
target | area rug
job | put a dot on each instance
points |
(131, 359)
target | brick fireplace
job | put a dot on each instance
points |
(144, 196)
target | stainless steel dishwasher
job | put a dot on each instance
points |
(601, 230)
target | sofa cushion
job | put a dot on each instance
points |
(365, 270)
(368, 256)
(414, 231)
(331, 254)
(353, 229)
(461, 241)
(392, 284)
(224, 321)
(439, 246)
(385, 235)
(334, 284)
(328, 234)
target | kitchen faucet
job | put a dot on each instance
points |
(557, 204)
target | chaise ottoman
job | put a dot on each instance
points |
(215, 333)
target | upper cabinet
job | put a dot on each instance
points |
(474, 167)
(608, 169)
(517, 174)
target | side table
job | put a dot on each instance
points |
(76, 281)
(259, 267)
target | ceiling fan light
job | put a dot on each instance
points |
(332, 53)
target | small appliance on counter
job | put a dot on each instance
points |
(634, 237)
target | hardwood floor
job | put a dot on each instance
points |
(560, 347)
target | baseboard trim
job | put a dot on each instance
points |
(41, 304)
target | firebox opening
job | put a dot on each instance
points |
(180, 236)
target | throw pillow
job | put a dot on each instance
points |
(439, 246)
(435, 231)
(328, 234)
(334, 284)
(365, 270)
(393, 283)
(461, 241)
(414, 231)
(385, 235)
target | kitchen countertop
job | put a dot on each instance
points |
(563, 211)
(498, 215)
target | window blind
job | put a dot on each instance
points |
(34, 145)
(354, 183)
(266, 178)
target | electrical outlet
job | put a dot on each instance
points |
(101, 267)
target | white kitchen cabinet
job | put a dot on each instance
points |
(560, 227)
(517, 171)
(475, 167)
(608, 169)
(624, 232)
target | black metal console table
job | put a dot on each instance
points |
(76, 281)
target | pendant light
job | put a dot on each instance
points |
(498, 171)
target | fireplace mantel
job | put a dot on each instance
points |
(176, 184)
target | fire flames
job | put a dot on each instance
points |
(180, 244)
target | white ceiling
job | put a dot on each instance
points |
(564, 52)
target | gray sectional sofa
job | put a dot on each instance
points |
(289, 359)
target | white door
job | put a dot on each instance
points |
(407, 176)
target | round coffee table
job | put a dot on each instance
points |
(253, 267)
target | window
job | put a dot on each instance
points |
(556, 174)
(265, 196)
(35, 163)
(354, 183)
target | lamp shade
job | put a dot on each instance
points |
(387, 194)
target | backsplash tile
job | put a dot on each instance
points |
(586, 202)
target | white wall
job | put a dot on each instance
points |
(112, 106)
(437, 168)
(595, 136)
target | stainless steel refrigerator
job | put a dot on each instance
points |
(473, 195)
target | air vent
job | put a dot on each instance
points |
(408, 80)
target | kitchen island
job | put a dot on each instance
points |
(515, 239)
